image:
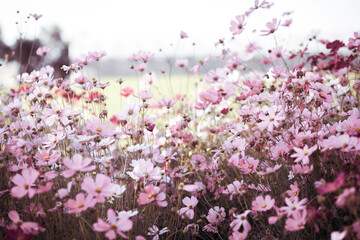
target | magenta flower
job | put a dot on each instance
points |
(272, 27)
(237, 26)
(332, 186)
(303, 154)
(262, 204)
(77, 165)
(249, 165)
(144, 95)
(235, 188)
(152, 193)
(26, 227)
(43, 51)
(46, 159)
(167, 102)
(190, 203)
(297, 222)
(100, 188)
(97, 55)
(24, 182)
(183, 34)
(80, 203)
(114, 225)
(241, 220)
(127, 91)
(271, 119)
(102, 128)
(294, 206)
(198, 161)
(347, 193)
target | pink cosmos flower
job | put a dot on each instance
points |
(43, 51)
(144, 95)
(167, 102)
(50, 115)
(100, 188)
(24, 183)
(84, 60)
(272, 27)
(36, 16)
(294, 206)
(249, 165)
(196, 69)
(129, 110)
(262, 204)
(142, 56)
(287, 23)
(46, 159)
(127, 91)
(156, 232)
(338, 235)
(141, 67)
(102, 128)
(181, 63)
(144, 169)
(215, 76)
(26, 227)
(152, 193)
(114, 225)
(198, 161)
(303, 154)
(80, 203)
(77, 165)
(190, 203)
(235, 188)
(332, 186)
(294, 191)
(270, 170)
(237, 26)
(97, 55)
(341, 200)
(210, 96)
(183, 34)
(241, 220)
(297, 222)
(238, 235)
(271, 119)
(279, 215)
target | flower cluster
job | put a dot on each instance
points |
(254, 155)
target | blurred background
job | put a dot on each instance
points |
(121, 28)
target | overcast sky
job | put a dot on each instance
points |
(124, 27)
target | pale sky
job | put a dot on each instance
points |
(125, 27)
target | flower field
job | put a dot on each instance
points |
(225, 153)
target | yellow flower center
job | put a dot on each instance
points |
(357, 129)
(251, 166)
(293, 208)
(80, 205)
(295, 193)
(191, 206)
(98, 129)
(264, 205)
(242, 218)
(345, 145)
(26, 186)
(113, 226)
(98, 190)
(300, 224)
(47, 157)
(271, 119)
(150, 196)
(306, 153)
